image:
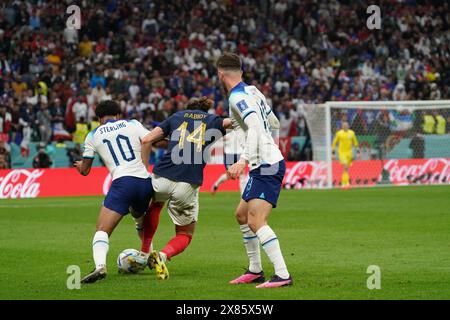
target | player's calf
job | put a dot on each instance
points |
(175, 246)
(150, 225)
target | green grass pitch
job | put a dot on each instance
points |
(328, 238)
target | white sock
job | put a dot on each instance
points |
(251, 244)
(100, 246)
(271, 246)
(243, 179)
(163, 256)
(221, 180)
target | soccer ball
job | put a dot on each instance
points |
(123, 261)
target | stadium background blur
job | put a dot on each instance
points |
(152, 56)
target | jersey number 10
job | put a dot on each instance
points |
(119, 139)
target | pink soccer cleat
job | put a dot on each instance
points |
(249, 277)
(276, 282)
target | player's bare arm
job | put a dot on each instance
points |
(227, 123)
(145, 153)
(161, 144)
(154, 136)
(84, 166)
(147, 149)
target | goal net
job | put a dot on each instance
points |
(394, 142)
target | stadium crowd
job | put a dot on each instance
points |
(152, 56)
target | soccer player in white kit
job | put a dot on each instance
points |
(250, 112)
(118, 143)
(232, 151)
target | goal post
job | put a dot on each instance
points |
(397, 142)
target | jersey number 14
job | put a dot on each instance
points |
(197, 136)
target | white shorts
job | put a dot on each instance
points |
(182, 199)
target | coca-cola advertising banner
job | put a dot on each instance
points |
(370, 172)
(32, 183)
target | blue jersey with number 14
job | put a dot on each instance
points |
(190, 133)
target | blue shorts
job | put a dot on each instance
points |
(126, 192)
(265, 183)
(230, 158)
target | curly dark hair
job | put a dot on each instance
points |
(203, 104)
(107, 108)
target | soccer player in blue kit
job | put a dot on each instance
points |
(178, 176)
(118, 143)
(250, 112)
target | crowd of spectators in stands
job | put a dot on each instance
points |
(152, 56)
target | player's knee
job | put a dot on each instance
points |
(255, 221)
(136, 214)
(241, 217)
(105, 228)
(187, 230)
(255, 225)
(252, 225)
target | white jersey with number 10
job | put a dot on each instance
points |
(118, 143)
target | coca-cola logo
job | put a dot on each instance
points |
(303, 174)
(401, 172)
(428, 171)
(20, 183)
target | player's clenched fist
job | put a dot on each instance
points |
(77, 164)
(236, 169)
